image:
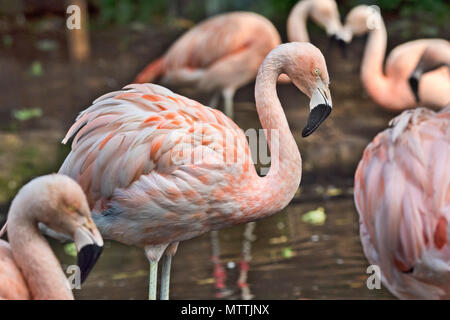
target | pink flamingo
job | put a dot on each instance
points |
(434, 57)
(28, 267)
(402, 194)
(391, 89)
(323, 12)
(223, 53)
(133, 154)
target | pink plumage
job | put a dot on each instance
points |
(402, 194)
(159, 168)
(135, 150)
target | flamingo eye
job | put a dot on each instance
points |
(317, 71)
(71, 208)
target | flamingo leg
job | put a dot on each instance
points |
(153, 280)
(228, 95)
(165, 276)
(154, 253)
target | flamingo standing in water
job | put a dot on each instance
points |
(28, 267)
(402, 194)
(391, 89)
(159, 168)
(223, 53)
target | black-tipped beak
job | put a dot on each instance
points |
(414, 85)
(316, 117)
(89, 244)
(87, 257)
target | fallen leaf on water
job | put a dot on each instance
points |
(315, 217)
(47, 45)
(205, 281)
(7, 40)
(26, 114)
(278, 240)
(287, 253)
(70, 249)
(36, 69)
(333, 191)
(128, 275)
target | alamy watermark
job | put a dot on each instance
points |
(374, 280)
(74, 278)
(73, 21)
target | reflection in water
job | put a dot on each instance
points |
(219, 272)
(290, 259)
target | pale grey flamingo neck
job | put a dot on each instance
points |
(278, 187)
(32, 253)
(296, 23)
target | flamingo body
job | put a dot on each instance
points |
(390, 87)
(402, 194)
(137, 152)
(159, 168)
(224, 51)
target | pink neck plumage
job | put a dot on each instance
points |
(296, 23)
(274, 191)
(372, 75)
(32, 253)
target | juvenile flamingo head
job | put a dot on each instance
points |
(360, 20)
(60, 203)
(306, 67)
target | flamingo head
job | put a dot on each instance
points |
(359, 21)
(62, 206)
(325, 13)
(308, 71)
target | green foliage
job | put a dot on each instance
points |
(433, 11)
(127, 11)
(160, 11)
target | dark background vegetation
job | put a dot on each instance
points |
(425, 16)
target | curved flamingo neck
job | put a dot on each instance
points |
(35, 258)
(274, 191)
(296, 23)
(372, 75)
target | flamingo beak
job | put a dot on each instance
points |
(320, 108)
(89, 245)
(414, 83)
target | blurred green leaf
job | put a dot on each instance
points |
(36, 69)
(287, 253)
(70, 249)
(26, 114)
(7, 40)
(47, 45)
(315, 217)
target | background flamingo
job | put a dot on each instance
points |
(323, 12)
(219, 55)
(28, 267)
(133, 149)
(435, 56)
(222, 53)
(402, 194)
(391, 89)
